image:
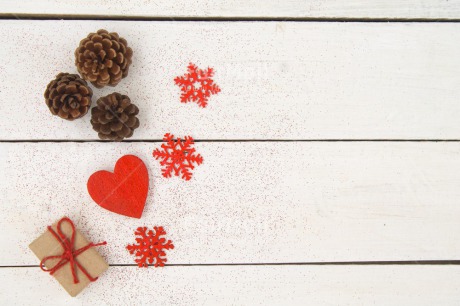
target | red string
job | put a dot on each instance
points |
(69, 253)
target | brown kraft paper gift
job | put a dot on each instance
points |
(56, 252)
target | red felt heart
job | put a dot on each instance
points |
(123, 192)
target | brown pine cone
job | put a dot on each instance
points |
(103, 58)
(68, 96)
(114, 117)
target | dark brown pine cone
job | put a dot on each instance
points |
(68, 96)
(103, 58)
(114, 117)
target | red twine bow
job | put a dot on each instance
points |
(69, 253)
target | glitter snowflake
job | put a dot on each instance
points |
(197, 85)
(150, 247)
(177, 156)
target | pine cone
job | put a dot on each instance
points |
(114, 117)
(68, 96)
(103, 58)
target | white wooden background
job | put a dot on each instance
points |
(331, 157)
(433, 9)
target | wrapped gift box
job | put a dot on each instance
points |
(89, 259)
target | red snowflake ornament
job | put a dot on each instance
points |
(150, 247)
(177, 156)
(197, 85)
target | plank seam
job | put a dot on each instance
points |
(338, 263)
(228, 140)
(21, 16)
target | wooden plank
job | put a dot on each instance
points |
(282, 80)
(248, 285)
(248, 202)
(237, 8)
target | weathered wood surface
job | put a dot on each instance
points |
(248, 202)
(244, 285)
(434, 9)
(279, 80)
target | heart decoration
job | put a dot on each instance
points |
(123, 192)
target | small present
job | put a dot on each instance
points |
(66, 254)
